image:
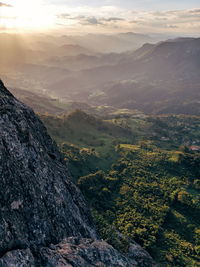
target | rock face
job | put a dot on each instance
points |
(85, 253)
(18, 258)
(39, 205)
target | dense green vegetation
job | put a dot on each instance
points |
(141, 178)
(151, 198)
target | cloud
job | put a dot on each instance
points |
(113, 19)
(195, 11)
(101, 21)
(4, 5)
(63, 16)
(91, 21)
(172, 26)
(78, 18)
(170, 21)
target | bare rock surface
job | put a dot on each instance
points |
(39, 204)
(18, 258)
(84, 253)
(141, 256)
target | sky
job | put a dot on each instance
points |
(101, 16)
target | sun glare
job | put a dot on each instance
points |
(26, 15)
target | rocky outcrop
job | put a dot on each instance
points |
(39, 204)
(85, 253)
(18, 258)
(140, 255)
(44, 220)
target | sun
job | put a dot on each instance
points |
(26, 15)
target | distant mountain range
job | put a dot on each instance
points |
(36, 61)
(156, 78)
(160, 78)
(17, 48)
(118, 43)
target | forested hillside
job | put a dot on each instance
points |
(141, 177)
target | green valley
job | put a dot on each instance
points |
(140, 175)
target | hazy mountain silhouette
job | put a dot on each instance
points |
(156, 78)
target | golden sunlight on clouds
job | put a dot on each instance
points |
(26, 15)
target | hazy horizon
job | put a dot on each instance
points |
(172, 18)
(124, 54)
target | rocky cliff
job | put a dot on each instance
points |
(44, 220)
